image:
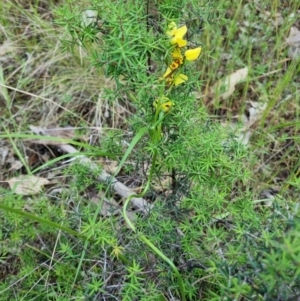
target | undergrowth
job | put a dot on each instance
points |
(207, 233)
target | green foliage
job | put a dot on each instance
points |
(207, 237)
(84, 176)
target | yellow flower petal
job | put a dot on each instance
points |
(181, 31)
(174, 65)
(169, 80)
(166, 106)
(179, 41)
(163, 103)
(177, 35)
(176, 54)
(179, 79)
(192, 54)
(168, 72)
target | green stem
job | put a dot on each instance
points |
(168, 261)
(155, 138)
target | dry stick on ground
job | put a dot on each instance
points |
(121, 189)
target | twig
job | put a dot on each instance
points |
(121, 189)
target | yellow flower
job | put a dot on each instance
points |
(174, 65)
(166, 107)
(172, 29)
(163, 103)
(192, 54)
(176, 55)
(177, 61)
(176, 34)
(179, 79)
(172, 68)
(168, 72)
(172, 75)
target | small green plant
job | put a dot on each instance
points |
(123, 42)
